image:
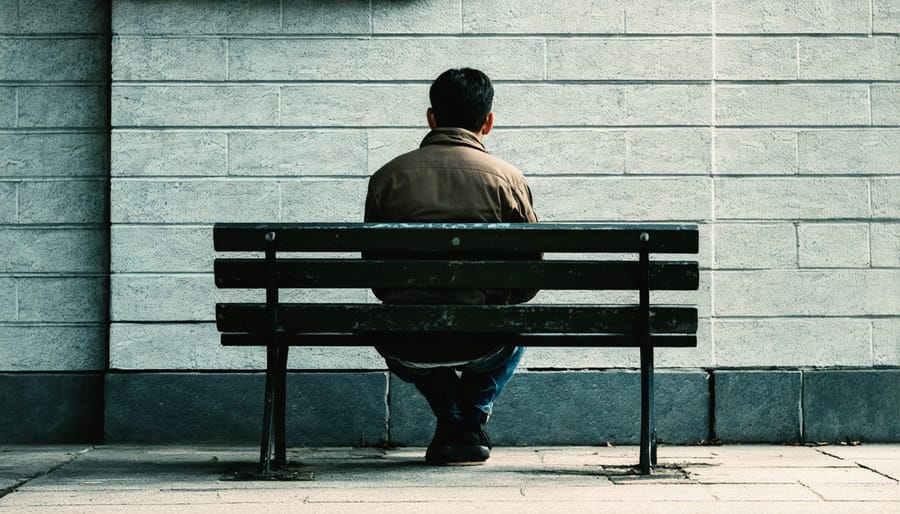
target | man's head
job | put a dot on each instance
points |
(462, 98)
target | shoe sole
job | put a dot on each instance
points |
(467, 455)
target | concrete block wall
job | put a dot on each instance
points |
(54, 234)
(773, 125)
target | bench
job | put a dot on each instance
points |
(450, 255)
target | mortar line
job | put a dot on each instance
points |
(713, 170)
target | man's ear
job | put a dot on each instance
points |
(488, 124)
(432, 121)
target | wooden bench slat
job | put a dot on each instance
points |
(450, 237)
(321, 317)
(347, 273)
(537, 340)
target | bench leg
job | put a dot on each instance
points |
(279, 415)
(272, 448)
(648, 421)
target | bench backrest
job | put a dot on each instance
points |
(451, 255)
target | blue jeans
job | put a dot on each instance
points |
(468, 395)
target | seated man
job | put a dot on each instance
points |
(452, 178)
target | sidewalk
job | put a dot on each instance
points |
(138, 479)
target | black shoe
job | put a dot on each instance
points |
(457, 445)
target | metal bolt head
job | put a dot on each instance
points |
(270, 236)
(455, 241)
(645, 237)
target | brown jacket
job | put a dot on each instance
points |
(450, 178)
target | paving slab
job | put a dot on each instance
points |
(138, 479)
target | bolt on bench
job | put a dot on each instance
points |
(452, 255)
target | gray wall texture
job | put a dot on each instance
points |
(774, 125)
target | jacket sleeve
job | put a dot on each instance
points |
(523, 213)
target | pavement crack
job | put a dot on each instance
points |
(24, 481)
(873, 470)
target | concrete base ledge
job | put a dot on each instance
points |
(51, 407)
(370, 408)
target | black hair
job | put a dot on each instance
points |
(461, 98)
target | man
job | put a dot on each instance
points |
(452, 178)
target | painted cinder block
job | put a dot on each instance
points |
(386, 143)
(885, 195)
(62, 201)
(194, 201)
(8, 300)
(629, 59)
(574, 152)
(194, 106)
(8, 202)
(34, 347)
(658, 17)
(62, 106)
(535, 16)
(9, 16)
(862, 151)
(870, 58)
(45, 155)
(669, 151)
(62, 16)
(838, 292)
(886, 16)
(196, 346)
(354, 105)
(53, 60)
(183, 297)
(756, 151)
(584, 408)
(791, 198)
(382, 59)
(311, 200)
(314, 17)
(623, 198)
(196, 17)
(59, 408)
(886, 341)
(886, 104)
(168, 59)
(603, 104)
(228, 407)
(586, 17)
(193, 297)
(757, 406)
(162, 248)
(755, 245)
(851, 405)
(432, 17)
(792, 342)
(756, 58)
(62, 299)
(297, 153)
(168, 153)
(8, 107)
(776, 17)
(792, 104)
(833, 245)
(58, 250)
(885, 238)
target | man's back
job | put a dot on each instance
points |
(450, 178)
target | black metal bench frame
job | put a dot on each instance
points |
(448, 259)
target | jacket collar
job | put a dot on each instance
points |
(454, 137)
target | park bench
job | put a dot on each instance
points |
(452, 255)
